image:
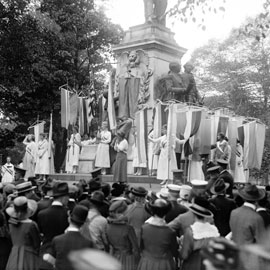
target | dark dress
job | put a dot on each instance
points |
(159, 247)
(123, 242)
(26, 243)
(120, 165)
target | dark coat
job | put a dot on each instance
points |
(52, 222)
(63, 244)
(176, 210)
(224, 207)
(265, 216)
(227, 179)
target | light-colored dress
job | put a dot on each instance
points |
(8, 173)
(103, 154)
(29, 159)
(152, 157)
(136, 163)
(43, 162)
(239, 175)
(73, 152)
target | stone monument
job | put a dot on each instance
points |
(142, 57)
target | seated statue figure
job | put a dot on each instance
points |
(154, 11)
(170, 86)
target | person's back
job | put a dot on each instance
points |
(63, 244)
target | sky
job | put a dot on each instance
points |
(128, 13)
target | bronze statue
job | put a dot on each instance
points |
(154, 11)
(132, 82)
(192, 95)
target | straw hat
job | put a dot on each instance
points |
(21, 203)
(24, 187)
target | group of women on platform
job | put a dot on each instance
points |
(37, 159)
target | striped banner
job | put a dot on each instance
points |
(142, 135)
(83, 128)
(111, 107)
(223, 124)
(65, 108)
(74, 106)
(232, 136)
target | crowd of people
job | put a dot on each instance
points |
(53, 225)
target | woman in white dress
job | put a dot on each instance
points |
(30, 156)
(239, 175)
(136, 163)
(8, 172)
(165, 168)
(103, 154)
(43, 162)
(153, 154)
(73, 152)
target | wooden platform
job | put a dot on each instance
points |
(144, 179)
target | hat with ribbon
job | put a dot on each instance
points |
(24, 187)
(213, 169)
(222, 162)
(251, 193)
(219, 186)
(200, 206)
(22, 204)
(198, 183)
(139, 191)
(174, 189)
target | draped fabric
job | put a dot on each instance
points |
(111, 107)
(223, 124)
(157, 115)
(232, 136)
(246, 149)
(74, 106)
(252, 145)
(205, 135)
(128, 96)
(83, 127)
(142, 134)
(241, 135)
(65, 108)
(260, 139)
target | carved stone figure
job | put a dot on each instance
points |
(170, 86)
(132, 82)
(154, 11)
(192, 95)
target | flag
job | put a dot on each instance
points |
(223, 124)
(142, 135)
(50, 150)
(111, 108)
(73, 111)
(232, 136)
(65, 108)
(82, 116)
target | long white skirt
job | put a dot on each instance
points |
(103, 156)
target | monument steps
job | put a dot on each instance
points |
(69, 177)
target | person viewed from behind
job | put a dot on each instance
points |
(158, 242)
(121, 237)
(24, 235)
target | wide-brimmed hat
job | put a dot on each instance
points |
(213, 169)
(24, 187)
(219, 186)
(60, 189)
(139, 191)
(21, 203)
(97, 197)
(96, 172)
(200, 206)
(222, 161)
(20, 170)
(93, 259)
(119, 206)
(121, 133)
(79, 214)
(251, 193)
(163, 193)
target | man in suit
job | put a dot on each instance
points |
(71, 240)
(263, 211)
(227, 177)
(246, 225)
(53, 220)
(224, 206)
(177, 209)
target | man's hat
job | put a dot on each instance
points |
(97, 197)
(251, 193)
(174, 188)
(163, 193)
(185, 191)
(21, 203)
(139, 191)
(20, 170)
(198, 183)
(219, 186)
(79, 214)
(9, 188)
(60, 189)
(24, 187)
(96, 172)
(200, 207)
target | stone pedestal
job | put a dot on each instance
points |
(158, 42)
